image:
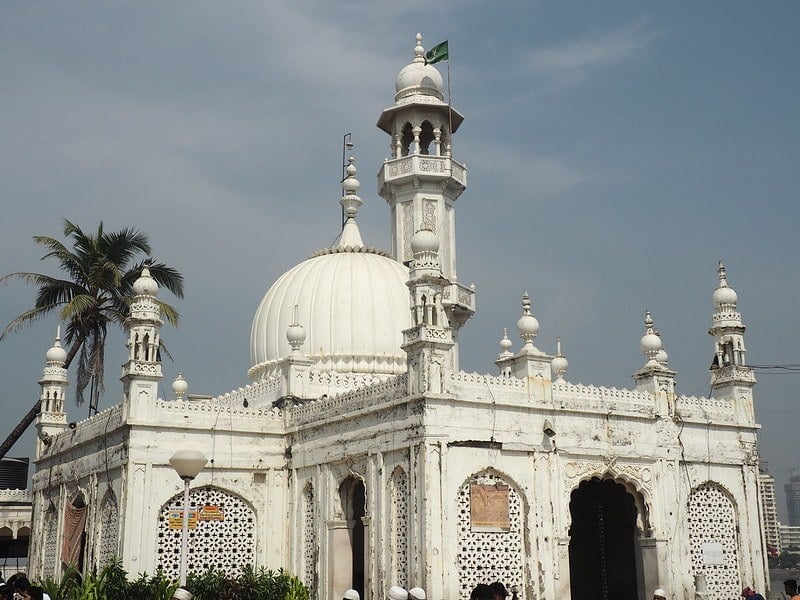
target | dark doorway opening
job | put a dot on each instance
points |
(357, 536)
(603, 542)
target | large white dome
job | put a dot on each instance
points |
(352, 302)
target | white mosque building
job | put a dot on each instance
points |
(361, 456)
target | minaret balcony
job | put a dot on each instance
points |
(459, 295)
(398, 170)
(732, 373)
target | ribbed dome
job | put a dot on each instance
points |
(353, 304)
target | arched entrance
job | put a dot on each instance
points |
(351, 567)
(604, 555)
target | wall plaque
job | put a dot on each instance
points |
(488, 507)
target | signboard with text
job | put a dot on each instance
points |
(488, 507)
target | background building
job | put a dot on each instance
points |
(15, 515)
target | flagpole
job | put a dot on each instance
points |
(449, 99)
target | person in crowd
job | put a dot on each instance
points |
(33, 592)
(416, 593)
(499, 591)
(790, 586)
(181, 594)
(351, 595)
(397, 593)
(749, 593)
(481, 592)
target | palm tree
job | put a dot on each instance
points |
(100, 270)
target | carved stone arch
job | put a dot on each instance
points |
(426, 137)
(491, 553)
(406, 138)
(633, 478)
(223, 536)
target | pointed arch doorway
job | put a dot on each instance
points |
(350, 539)
(605, 557)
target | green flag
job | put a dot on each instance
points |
(437, 53)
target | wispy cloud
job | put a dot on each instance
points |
(575, 60)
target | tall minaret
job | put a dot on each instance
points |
(730, 375)
(142, 372)
(421, 181)
(52, 419)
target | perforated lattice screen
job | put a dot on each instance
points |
(50, 546)
(227, 544)
(487, 556)
(109, 530)
(399, 535)
(309, 540)
(712, 524)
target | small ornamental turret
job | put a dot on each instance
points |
(730, 375)
(654, 376)
(650, 342)
(142, 372)
(505, 345)
(559, 364)
(52, 419)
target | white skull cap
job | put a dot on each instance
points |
(351, 595)
(397, 593)
(660, 593)
(181, 594)
(417, 593)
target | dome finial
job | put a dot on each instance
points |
(527, 325)
(295, 333)
(559, 364)
(505, 345)
(419, 51)
(56, 354)
(661, 356)
(724, 296)
(350, 202)
(650, 342)
(179, 386)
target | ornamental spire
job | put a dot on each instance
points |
(527, 325)
(650, 342)
(350, 202)
(559, 364)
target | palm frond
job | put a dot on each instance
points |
(26, 319)
(169, 313)
(167, 277)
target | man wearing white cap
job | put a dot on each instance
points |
(659, 594)
(416, 593)
(351, 595)
(181, 594)
(397, 593)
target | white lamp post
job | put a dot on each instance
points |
(187, 464)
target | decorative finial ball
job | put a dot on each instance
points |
(295, 335)
(559, 364)
(505, 343)
(145, 285)
(180, 385)
(650, 343)
(662, 356)
(424, 240)
(56, 353)
(725, 296)
(527, 326)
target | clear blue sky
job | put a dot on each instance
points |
(616, 151)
